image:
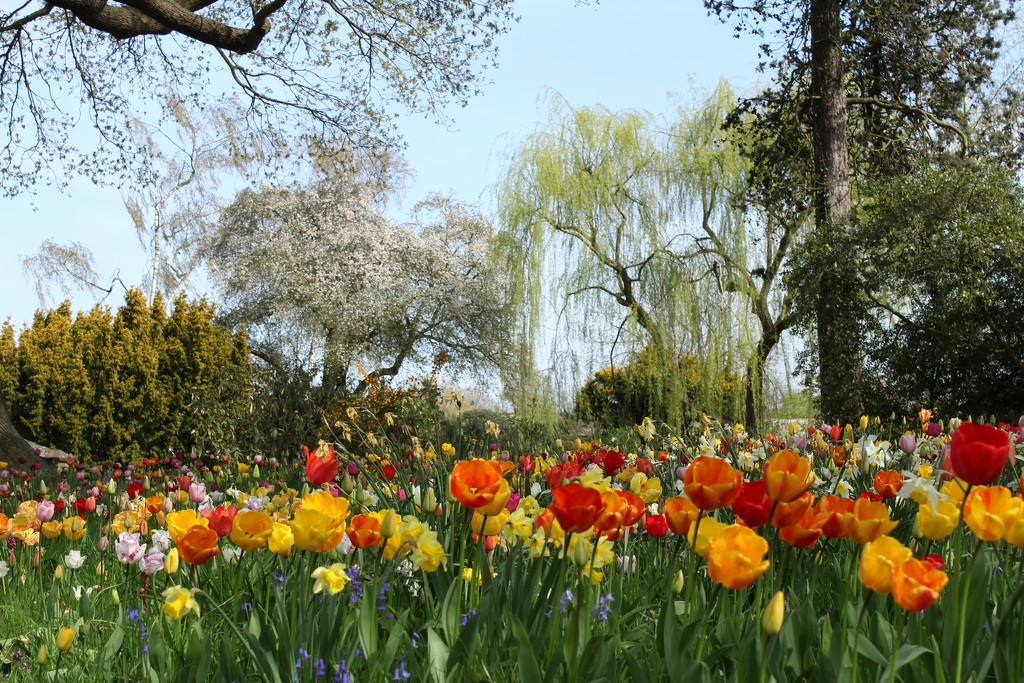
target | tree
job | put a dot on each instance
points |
(331, 68)
(645, 230)
(327, 284)
(946, 290)
(878, 86)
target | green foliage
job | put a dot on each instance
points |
(944, 268)
(118, 385)
(626, 394)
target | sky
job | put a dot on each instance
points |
(622, 54)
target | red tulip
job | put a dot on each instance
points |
(656, 525)
(978, 453)
(221, 518)
(576, 507)
(321, 465)
(753, 505)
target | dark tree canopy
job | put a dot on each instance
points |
(322, 68)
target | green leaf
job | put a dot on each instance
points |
(437, 653)
(113, 644)
(907, 653)
(867, 649)
(528, 667)
(197, 655)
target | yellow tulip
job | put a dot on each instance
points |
(771, 620)
(65, 636)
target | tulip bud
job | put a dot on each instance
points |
(581, 554)
(36, 557)
(58, 572)
(794, 427)
(430, 500)
(111, 487)
(171, 561)
(114, 597)
(677, 584)
(347, 484)
(168, 504)
(145, 483)
(256, 472)
(42, 487)
(65, 637)
(389, 525)
(771, 620)
(863, 427)
(102, 544)
(10, 558)
(41, 656)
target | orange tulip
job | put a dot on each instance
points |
(878, 559)
(321, 465)
(990, 510)
(870, 520)
(788, 514)
(916, 584)
(198, 545)
(834, 514)
(804, 533)
(477, 483)
(680, 513)
(888, 483)
(251, 529)
(636, 507)
(787, 475)
(614, 515)
(576, 507)
(712, 483)
(736, 557)
(364, 531)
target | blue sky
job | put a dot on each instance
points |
(623, 54)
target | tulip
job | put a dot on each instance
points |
(312, 529)
(877, 561)
(870, 520)
(774, 613)
(365, 531)
(221, 518)
(44, 511)
(834, 514)
(65, 636)
(938, 521)
(171, 561)
(888, 483)
(576, 507)
(478, 483)
(908, 443)
(251, 529)
(916, 584)
(788, 514)
(178, 523)
(736, 557)
(179, 601)
(978, 453)
(701, 534)
(804, 534)
(990, 510)
(281, 539)
(787, 475)
(198, 545)
(753, 504)
(41, 654)
(680, 513)
(197, 492)
(656, 526)
(712, 483)
(677, 584)
(321, 465)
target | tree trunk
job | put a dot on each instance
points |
(14, 450)
(839, 352)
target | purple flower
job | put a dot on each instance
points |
(382, 597)
(400, 673)
(603, 607)
(565, 600)
(133, 614)
(151, 562)
(464, 619)
(357, 585)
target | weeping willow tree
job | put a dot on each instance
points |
(632, 228)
